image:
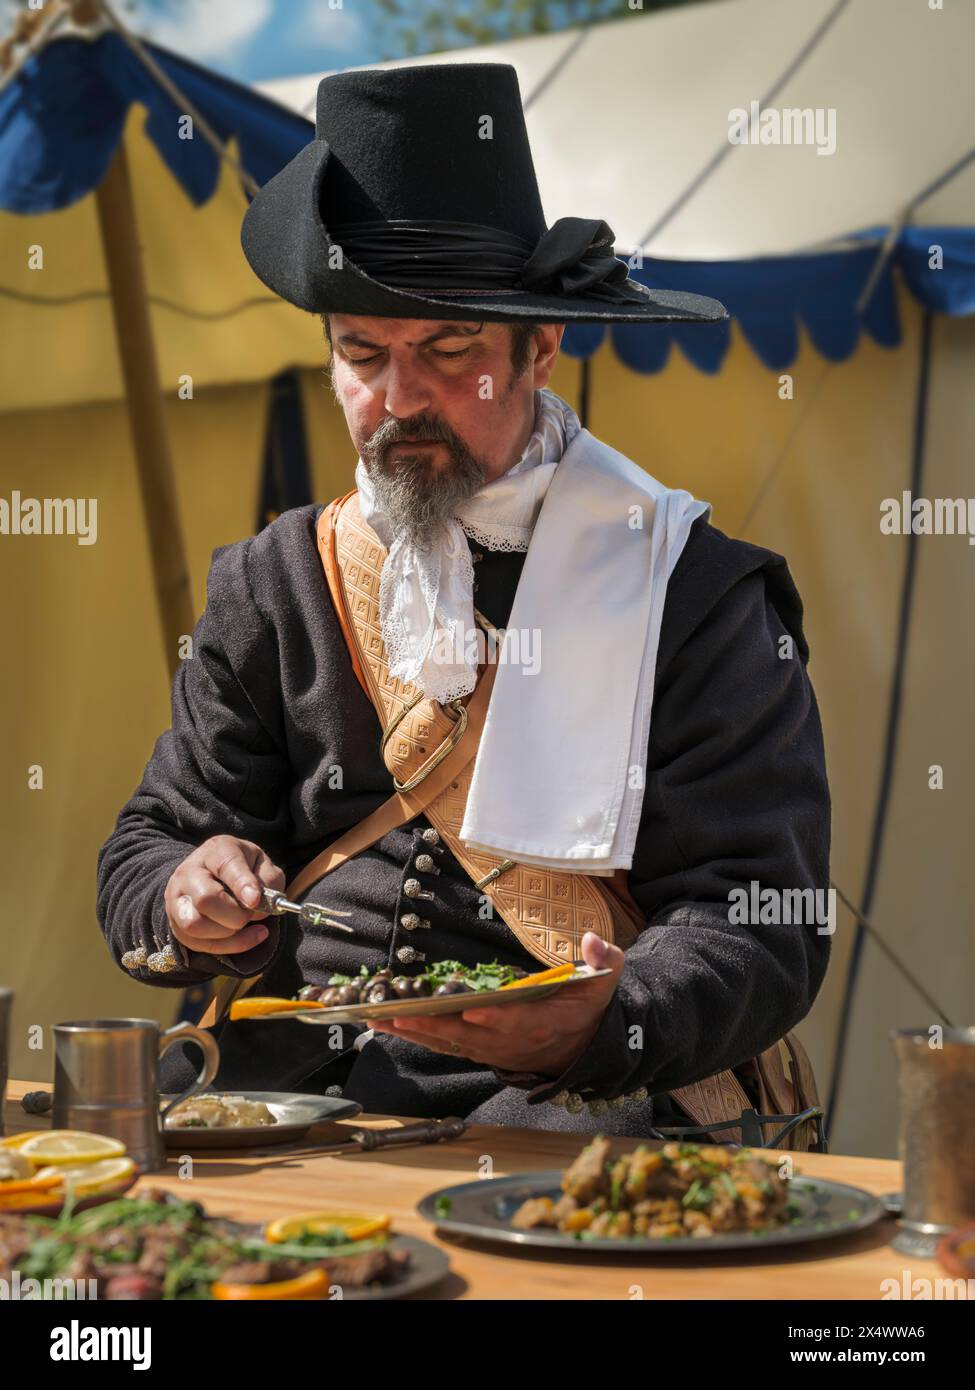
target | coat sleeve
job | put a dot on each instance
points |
(219, 770)
(736, 794)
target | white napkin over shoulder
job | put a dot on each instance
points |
(560, 772)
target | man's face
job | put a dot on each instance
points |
(436, 409)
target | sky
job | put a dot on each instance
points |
(256, 40)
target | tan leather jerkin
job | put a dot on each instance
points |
(547, 910)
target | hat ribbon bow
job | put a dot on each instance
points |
(576, 256)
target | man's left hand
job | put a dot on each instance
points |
(544, 1036)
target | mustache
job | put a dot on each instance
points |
(422, 427)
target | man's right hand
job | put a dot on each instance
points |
(204, 896)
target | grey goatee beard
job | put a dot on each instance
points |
(418, 498)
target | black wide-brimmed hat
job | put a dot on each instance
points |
(418, 199)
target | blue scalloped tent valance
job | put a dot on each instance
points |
(771, 297)
(62, 119)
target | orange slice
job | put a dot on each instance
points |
(39, 1183)
(263, 1007)
(542, 977)
(355, 1225)
(312, 1284)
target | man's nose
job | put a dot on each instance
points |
(404, 391)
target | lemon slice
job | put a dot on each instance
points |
(70, 1146)
(355, 1225)
(89, 1178)
(14, 1141)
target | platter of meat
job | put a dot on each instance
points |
(242, 1119)
(159, 1246)
(444, 987)
(674, 1198)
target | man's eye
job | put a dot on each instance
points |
(461, 353)
(364, 361)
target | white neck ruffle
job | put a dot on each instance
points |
(426, 596)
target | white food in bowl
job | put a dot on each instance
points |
(218, 1112)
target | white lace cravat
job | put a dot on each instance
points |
(426, 597)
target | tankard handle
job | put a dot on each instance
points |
(188, 1032)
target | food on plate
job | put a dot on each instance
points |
(218, 1112)
(678, 1190)
(40, 1169)
(159, 1246)
(355, 1225)
(383, 987)
(443, 977)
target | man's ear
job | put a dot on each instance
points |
(548, 340)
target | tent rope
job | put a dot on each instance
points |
(900, 222)
(892, 956)
(176, 96)
(35, 29)
(811, 44)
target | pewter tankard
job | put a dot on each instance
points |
(106, 1080)
(936, 1080)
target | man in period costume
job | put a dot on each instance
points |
(602, 783)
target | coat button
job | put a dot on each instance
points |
(407, 955)
(597, 1107)
(477, 555)
(640, 1093)
(431, 836)
(410, 921)
(135, 960)
(425, 864)
(573, 1103)
(414, 889)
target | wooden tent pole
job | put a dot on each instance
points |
(146, 405)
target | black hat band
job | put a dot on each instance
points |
(574, 256)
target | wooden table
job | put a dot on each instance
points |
(251, 1188)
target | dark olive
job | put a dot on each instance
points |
(421, 987)
(377, 992)
(347, 994)
(329, 997)
(310, 992)
(453, 987)
(403, 986)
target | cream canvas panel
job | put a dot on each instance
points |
(89, 692)
(821, 464)
(212, 318)
(925, 897)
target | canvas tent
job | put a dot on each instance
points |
(850, 273)
(628, 122)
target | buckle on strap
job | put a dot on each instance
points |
(439, 753)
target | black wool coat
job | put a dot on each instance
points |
(274, 740)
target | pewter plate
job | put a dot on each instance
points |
(295, 1114)
(434, 1004)
(428, 1265)
(484, 1209)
